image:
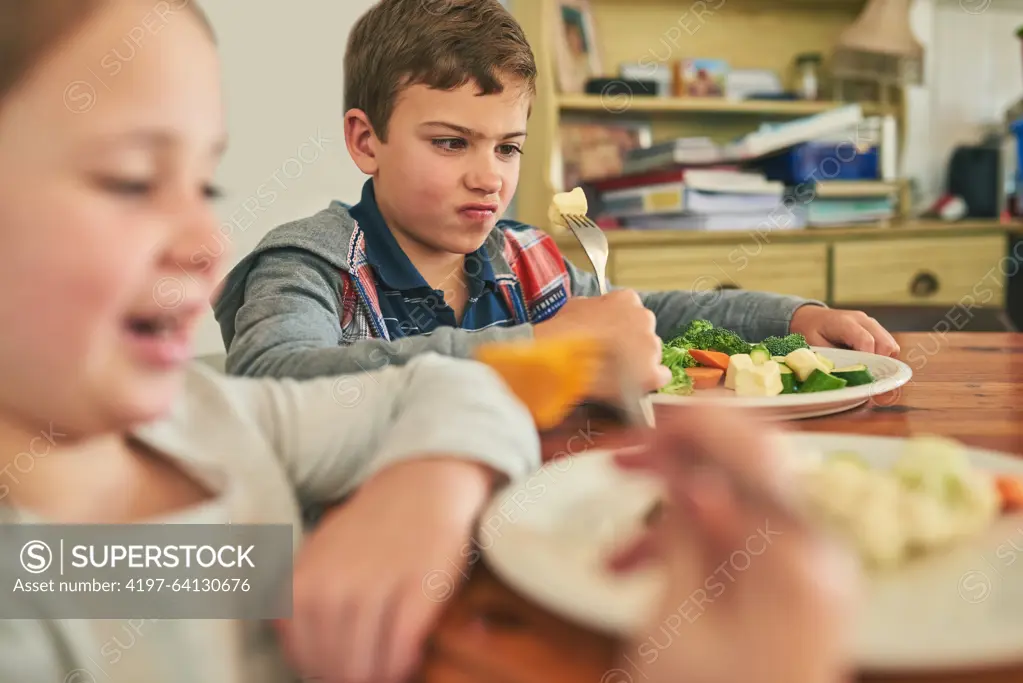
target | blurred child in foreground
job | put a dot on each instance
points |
(104, 204)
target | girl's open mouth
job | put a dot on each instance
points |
(162, 340)
(153, 327)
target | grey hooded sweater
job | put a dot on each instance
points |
(280, 308)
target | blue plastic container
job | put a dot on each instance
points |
(823, 161)
(1017, 129)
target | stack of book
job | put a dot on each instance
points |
(686, 198)
(696, 184)
(840, 202)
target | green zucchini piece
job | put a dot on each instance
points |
(759, 354)
(854, 375)
(821, 381)
(788, 379)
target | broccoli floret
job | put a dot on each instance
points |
(672, 357)
(681, 384)
(702, 335)
(718, 339)
(677, 343)
(695, 327)
(783, 346)
(681, 337)
(677, 360)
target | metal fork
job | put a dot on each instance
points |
(594, 244)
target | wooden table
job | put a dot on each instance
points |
(967, 386)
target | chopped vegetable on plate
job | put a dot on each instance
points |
(705, 378)
(771, 367)
(677, 360)
(931, 498)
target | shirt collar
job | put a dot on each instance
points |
(382, 250)
(391, 263)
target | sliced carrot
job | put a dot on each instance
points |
(1010, 490)
(705, 378)
(710, 359)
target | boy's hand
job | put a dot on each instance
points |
(620, 320)
(364, 601)
(854, 329)
(752, 592)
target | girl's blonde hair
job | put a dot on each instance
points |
(31, 29)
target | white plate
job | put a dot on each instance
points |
(889, 374)
(956, 610)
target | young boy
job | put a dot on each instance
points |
(438, 97)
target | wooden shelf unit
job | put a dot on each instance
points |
(903, 264)
(747, 33)
(646, 104)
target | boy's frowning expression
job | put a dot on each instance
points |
(450, 164)
(104, 183)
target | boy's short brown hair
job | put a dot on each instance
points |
(442, 44)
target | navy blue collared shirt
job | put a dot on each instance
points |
(410, 306)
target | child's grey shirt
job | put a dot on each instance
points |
(280, 308)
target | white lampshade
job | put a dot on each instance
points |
(879, 46)
(883, 28)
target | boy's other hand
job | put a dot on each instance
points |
(854, 329)
(374, 576)
(620, 320)
(752, 592)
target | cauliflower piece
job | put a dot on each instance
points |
(572, 203)
(932, 497)
(836, 487)
(877, 526)
(979, 503)
(926, 520)
(928, 461)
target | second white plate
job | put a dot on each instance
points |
(955, 610)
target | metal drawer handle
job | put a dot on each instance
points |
(924, 284)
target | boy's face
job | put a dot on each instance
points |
(103, 272)
(450, 165)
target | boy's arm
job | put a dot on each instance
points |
(751, 315)
(333, 433)
(290, 326)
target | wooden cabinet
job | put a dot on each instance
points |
(917, 272)
(920, 264)
(782, 268)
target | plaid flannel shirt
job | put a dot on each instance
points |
(529, 268)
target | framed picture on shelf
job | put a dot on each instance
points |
(703, 77)
(576, 45)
